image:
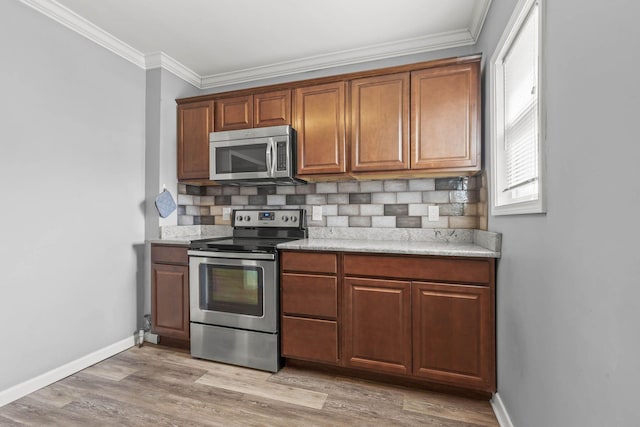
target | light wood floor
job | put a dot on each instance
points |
(158, 386)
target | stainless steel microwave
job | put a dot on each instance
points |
(259, 156)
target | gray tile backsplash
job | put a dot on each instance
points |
(397, 203)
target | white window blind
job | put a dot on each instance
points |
(516, 113)
(520, 66)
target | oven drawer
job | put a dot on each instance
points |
(309, 295)
(169, 254)
(310, 339)
(312, 262)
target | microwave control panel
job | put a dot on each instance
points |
(281, 156)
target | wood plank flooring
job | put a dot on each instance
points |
(159, 386)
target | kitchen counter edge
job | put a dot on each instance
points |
(392, 247)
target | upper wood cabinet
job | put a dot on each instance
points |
(416, 120)
(380, 123)
(445, 118)
(234, 113)
(195, 121)
(319, 119)
(272, 109)
(252, 111)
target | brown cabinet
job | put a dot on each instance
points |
(377, 325)
(234, 113)
(170, 291)
(272, 109)
(425, 318)
(380, 123)
(309, 305)
(445, 118)
(453, 339)
(407, 121)
(319, 119)
(441, 314)
(250, 111)
(195, 121)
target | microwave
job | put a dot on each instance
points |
(260, 156)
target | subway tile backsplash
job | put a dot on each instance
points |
(398, 203)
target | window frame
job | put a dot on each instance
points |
(501, 205)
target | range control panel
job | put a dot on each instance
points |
(287, 218)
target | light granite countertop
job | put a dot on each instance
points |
(442, 242)
(392, 247)
(185, 234)
(449, 242)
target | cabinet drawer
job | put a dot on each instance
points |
(422, 268)
(312, 262)
(309, 295)
(310, 339)
(169, 254)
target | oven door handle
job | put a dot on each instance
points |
(232, 255)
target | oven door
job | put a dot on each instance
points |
(236, 290)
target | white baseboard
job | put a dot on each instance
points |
(501, 412)
(29, 386)
(152, 338)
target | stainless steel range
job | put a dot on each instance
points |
(233, 283)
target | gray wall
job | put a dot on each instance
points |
(162, 89)
(72, 182)
(568, 281)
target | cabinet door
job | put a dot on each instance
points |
(380, 123)
(272, 109)
(377, 325)
(234, 113)
(195, 121)
(319, 120)
(453, 335)
(170, 300)
(445, 118)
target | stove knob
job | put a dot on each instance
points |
(294, 218)
(238, 218)
(247, 218)
(285, 218)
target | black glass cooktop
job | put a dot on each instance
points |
(239, 244)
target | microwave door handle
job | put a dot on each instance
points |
(271, 159)
(268, 157)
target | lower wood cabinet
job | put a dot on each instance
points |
(170, 291)
(310, 339)
(377, 325)
(453, 335)
(426, 318)
(309, 305)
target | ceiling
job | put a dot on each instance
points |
(214, 43)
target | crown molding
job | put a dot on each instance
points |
(162, 60)
(80, 25)
(342, 58)
(477, 20)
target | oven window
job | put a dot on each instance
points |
(241, 158)
(231, 289)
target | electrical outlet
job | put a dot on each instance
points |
(317, 213)
(434, 213)
(226, 214)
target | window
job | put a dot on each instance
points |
(517, 129)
